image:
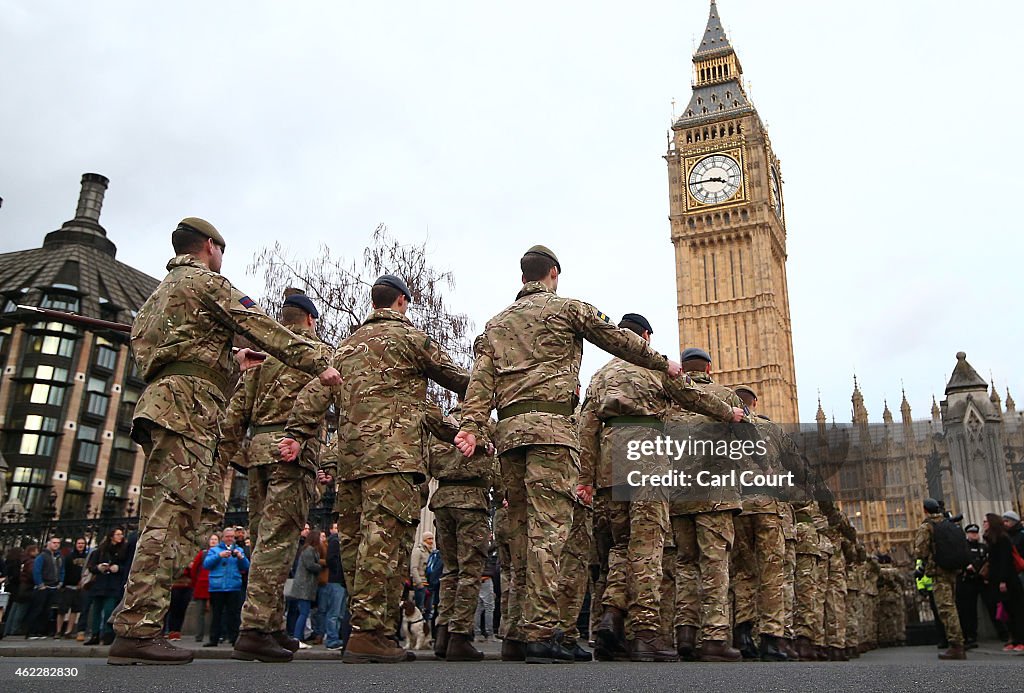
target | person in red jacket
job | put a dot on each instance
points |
(201, 586)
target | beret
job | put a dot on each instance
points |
(638, 319)
(546, 252)
(302, 301)
(395, 283)
(204, 228)
(695, 353)
(744, 388)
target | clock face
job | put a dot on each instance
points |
(715, 179)
(776, 191)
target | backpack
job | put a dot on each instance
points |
(435, 566)
(951, 550)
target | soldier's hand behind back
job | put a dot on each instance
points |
(466, 443)
(331, 376)
(289, 449)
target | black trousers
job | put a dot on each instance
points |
(967, 593)
(41, 608)
(180, 597)
(226, 609)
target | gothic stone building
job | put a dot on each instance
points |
(968, 454)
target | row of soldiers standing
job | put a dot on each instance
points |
(526, 367)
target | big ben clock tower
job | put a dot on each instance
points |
(729, 232)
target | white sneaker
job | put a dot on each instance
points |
(304, 646)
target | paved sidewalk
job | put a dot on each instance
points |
(18, 646)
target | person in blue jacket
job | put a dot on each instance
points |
(226, 563)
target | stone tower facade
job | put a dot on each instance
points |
(728, 229)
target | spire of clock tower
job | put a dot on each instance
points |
(717, 89)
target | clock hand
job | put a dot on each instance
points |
(709, 180)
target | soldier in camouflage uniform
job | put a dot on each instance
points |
(759, 558)
(574, 577)
(384, 365)
(944, 580)
(504, 541)
(704, 532)
(853, 615)
(528, 362)
(809, 582)
(460, 504)
(626, 404)
(869, 595)
(181, 339)
(835, 591)
(280, 492)
(892, 628)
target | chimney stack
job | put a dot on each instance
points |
(90, 201)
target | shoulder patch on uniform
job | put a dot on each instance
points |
(603, 317)
(247, 302)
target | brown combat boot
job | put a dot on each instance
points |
(460, 649)
(838, 654)
(441, 641)
(954, 652)
(648, 646)
(513, 650)
(686, 642)
(611, 635)
(254, 645)
(786, 645)
(286, 641)
(146, 651)
(805, 650)
(371, 647)
(718, 651)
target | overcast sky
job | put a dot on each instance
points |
(488, 127)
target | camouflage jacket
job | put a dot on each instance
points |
(680, 424)
(620, 388)
(923, 548)
(263, 401)
(779, 448)
(479, 473)
(191, 318)
(531, 352)
(384, 368)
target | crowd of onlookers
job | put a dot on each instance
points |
(64, 589)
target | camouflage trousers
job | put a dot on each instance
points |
(279, 496)
(503, 541)
(703, 543)
(574, 570)
(834, 612)
(788, 592)
(214, 503)
(668, 592)
(462, 537)
(852, 616)
(758, 578)
(809, 589)
(540, 481)
(389, 512)
(349, 507)
(633, 582)
(175, 475)
(892, 628)
(945, 601)
(869, 621)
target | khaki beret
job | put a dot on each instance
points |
(204, 228)
(546, 252)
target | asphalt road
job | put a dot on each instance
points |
(904, 670)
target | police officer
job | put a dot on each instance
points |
(969, 586)
(181, 339)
